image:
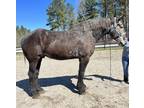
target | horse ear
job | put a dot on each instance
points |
(112, 21)
(119, 18)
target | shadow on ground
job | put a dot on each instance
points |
(45, 82)
(62, 80)
(103, 78)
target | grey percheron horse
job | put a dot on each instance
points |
(79, 42)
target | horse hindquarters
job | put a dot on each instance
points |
(34, 57)
(33, 52)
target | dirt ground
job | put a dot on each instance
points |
(59, 78)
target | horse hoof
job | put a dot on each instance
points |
(81, 89)
(41, 91)
(81, 92)
(36, 96)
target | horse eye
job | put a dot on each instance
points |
(120, 25)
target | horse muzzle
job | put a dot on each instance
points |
(121, 42)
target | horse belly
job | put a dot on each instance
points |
(62, 51)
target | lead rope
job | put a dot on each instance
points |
(110, 64)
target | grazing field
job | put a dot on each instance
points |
(59, 78)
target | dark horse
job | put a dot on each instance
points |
(79, 42)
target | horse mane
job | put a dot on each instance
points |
(91, 24)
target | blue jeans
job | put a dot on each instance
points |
(125, 63)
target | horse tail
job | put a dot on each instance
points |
(22, 42)
(24, 56)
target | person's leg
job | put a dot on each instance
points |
(125, 63)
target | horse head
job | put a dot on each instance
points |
(117, 31)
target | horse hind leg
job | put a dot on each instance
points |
(82, 66)
(33, 77)
(38, 88)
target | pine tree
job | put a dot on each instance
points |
(70, 19)
(108, 9)
(125, 13)
(111, 9)
(58, 13)
(55, 13)
(87, 10)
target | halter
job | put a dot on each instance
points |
(110, 30)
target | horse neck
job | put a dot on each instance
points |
(98, 33)
(99, 28)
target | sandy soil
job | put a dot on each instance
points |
(58, 79)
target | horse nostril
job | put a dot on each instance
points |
(122, 44)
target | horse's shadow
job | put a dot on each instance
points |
(62, 80)
(45, 82)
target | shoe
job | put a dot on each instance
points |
(126, 80)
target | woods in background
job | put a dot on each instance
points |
(61, 14)
(20, 32)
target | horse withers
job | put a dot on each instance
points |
(77, 43)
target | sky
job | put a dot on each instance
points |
(32, 13)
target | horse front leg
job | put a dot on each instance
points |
(82, 66)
